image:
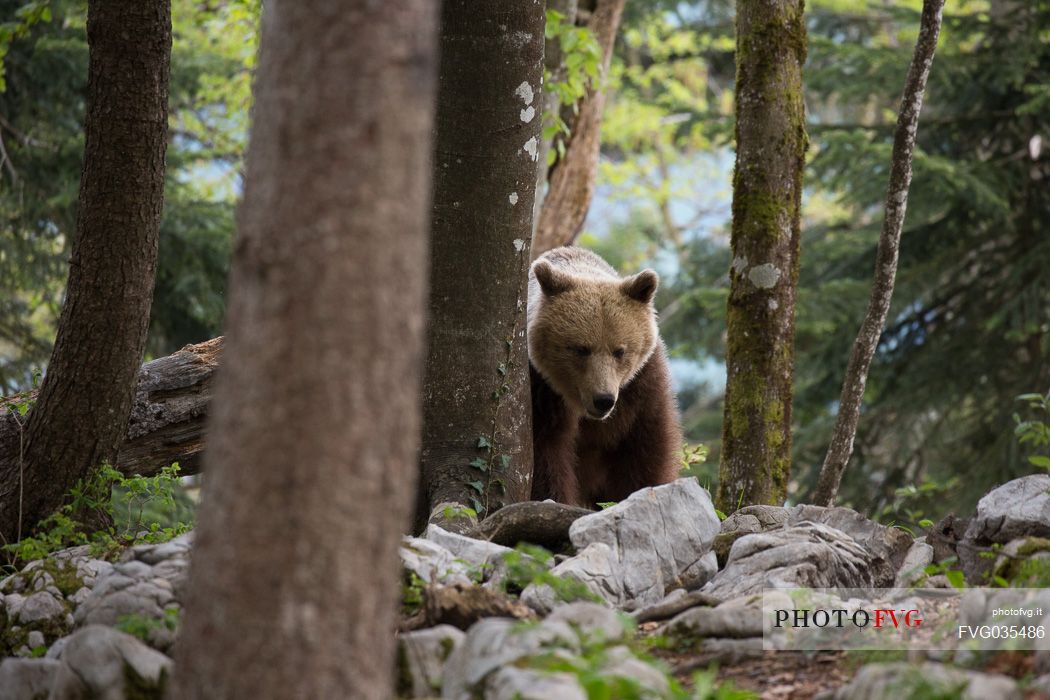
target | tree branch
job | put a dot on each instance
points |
(864, 346)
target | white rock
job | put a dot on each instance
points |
(805, 555)
(529, 684)
(96, 662)
(494, 643)
(661, 536)
(41, 607)
(26, 679)
(432, 563)
(421, 659)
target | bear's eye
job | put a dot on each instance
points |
(618, 353)
(580, 350)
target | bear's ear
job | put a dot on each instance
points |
(641, 287)
(551, 281)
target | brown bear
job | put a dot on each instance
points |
(604, 417)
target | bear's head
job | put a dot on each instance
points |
(589, 335)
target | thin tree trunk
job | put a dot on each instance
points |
(477, 432)
(572, 178)
(886, 256)
(760, 316)
(312, 465)
(81, 414)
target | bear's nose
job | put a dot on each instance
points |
(603, 403)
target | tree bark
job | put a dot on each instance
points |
(477, 433)
(887, 253)
(81, 414)
(312, 461)
(760, 317)
(572, 178)
(554, 71)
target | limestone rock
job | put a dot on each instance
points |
(102, 663)
(804, 555)
(1016, 510)
(886, 546)
(899, 680)
(496, 643)
(421, 659)
(913, 568)
(660, 535)
(432, 563)
(26, 679)
(529, 684)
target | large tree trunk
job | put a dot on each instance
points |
(81, 414)
(841, 447)
(572, 178)
(314, 434)
(760, 318)
(477, 433)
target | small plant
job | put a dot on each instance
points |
(529, 564)
(131, 509)
(412, 593)
(947, 567)
(1035, 433)
(911, 503)
(143, 626)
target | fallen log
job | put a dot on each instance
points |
(167, 418)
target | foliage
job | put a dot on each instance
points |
(529, 564)
(41, 129)
(1035, 432)
(412, 593)
(597, 656)
(143, 626)
(136, 510)
(911, 503)
(580, 70)
(972, 276)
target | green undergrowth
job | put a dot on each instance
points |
(110, 512)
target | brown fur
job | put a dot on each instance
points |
(577, 302)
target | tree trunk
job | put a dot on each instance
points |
(312, 460)
(886, 256)
(572, 178)
(554, 71)
(760, 317)
(81, 414)
(477, 433)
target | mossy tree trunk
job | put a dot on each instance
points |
(81, 414)
(311, 465)
(477, 432)
(767, 186)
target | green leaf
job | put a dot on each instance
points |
(484, 444)
(481, 464)
(956, 578)
(1040, 461)
(925, 522)
(477, 486)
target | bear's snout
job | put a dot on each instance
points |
(603, 404)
